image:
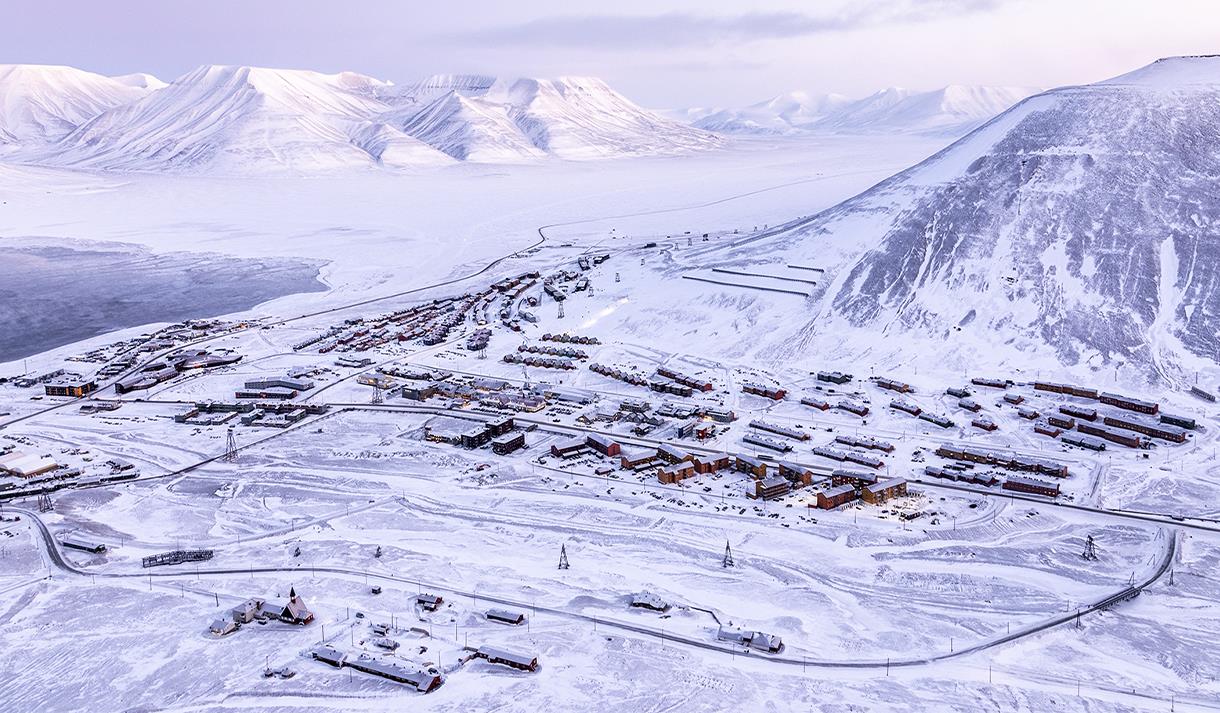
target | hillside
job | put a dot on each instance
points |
(1081, 223)
(950, 111)
(40, 104)
(243, 120)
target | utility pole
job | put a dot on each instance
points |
(728, 556)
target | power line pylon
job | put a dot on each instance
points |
(728, 556)
(563, 557)
(1090, 549)
(561, 310)
(44, 503)
(378, 395)
(230, 447)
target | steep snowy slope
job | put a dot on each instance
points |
(140, 80)
(41, 104)
(1083, 220)
(952, 110)
(231, 119)
(480, 118)
(785, 114)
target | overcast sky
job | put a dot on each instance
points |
(662, 53)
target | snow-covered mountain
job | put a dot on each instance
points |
(250, 120)
(40, 104)
(231, 118)
(949, 111)
(787, 113)
(1081, 223)
(488, 119)
(141, 80)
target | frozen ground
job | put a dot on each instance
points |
(945, 571)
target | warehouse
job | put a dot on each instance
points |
(878, 493)
(864, 442)
(836, 496)
(1156, 430)
(1123, 438)
(936, 419)
(1086, 414)
(504, 616)
(1047, 429)
(894, 385)
(831, 453)
(768, 488)
(958, 392)
(280, 382)
(1179, 421)
(779, 429)
(834, 377)
(818, 404)
(764, 442)
(522, 662)
(1065, 423)
(1126, 402)
(26, 465)
(1083, 441)
(968, 404)
(865, 460)
(507, 443)
(691, 381)
(648, 600)
(769, 392)
(275, 393)
(1029, 485)
(421, 681)
(992, 383)
(852, 407)
(83, 545)
(756, 640)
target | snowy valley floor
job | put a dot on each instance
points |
(894, 607)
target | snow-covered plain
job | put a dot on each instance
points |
(868, 599)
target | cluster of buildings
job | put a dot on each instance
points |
(545, 362)
(293, 611)
(498, 432)
(275, 387)
(172, 365)
(769, 392)
(1010, 461)
(20, 464)
(423, 681)
(848, 486)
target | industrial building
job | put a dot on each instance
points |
(504, 616)
(1131, 404)
(1029, 485)
(522, 662)
(769, 392)
(834, 377)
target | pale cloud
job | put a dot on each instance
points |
(675, 29)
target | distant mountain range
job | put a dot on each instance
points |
(949, 111)
(1081, 223)
(250, 119)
